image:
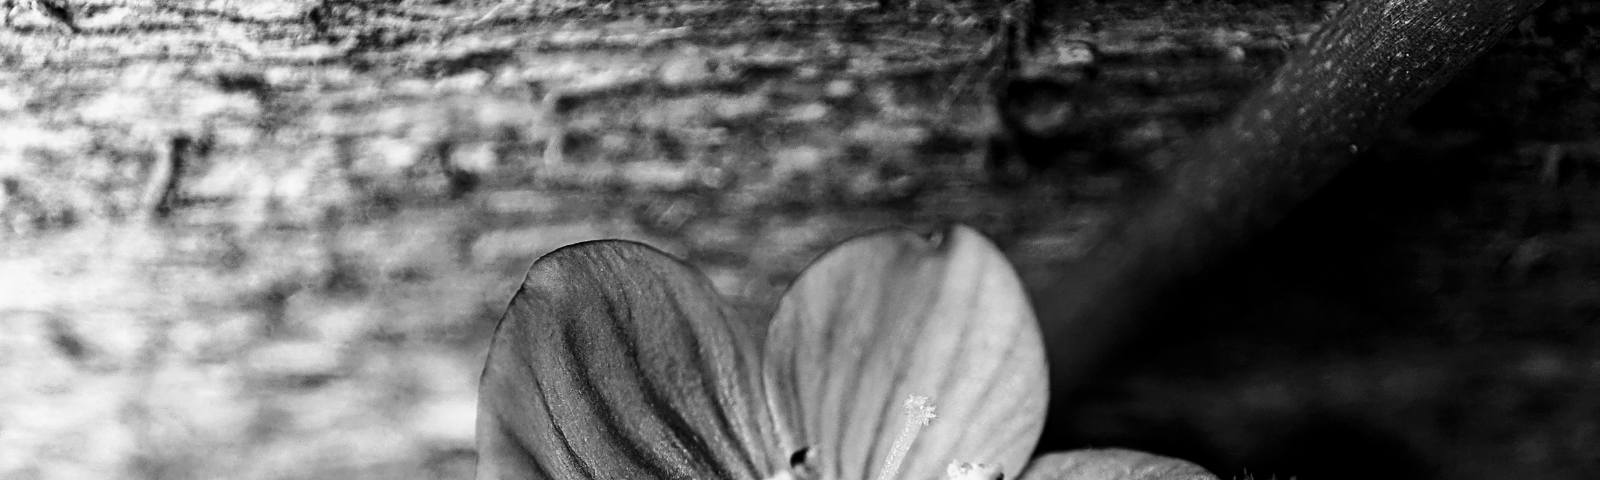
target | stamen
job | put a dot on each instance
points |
(972, 471)
(918, 413)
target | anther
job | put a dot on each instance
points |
(972, 471)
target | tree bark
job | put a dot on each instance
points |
(1368, 68)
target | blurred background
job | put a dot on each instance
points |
(269, 239)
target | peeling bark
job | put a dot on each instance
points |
(1369, 67)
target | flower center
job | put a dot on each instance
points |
(918, 413)
(972, 471)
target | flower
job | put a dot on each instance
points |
(895, 355)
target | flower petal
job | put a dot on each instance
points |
(895, 314)
(1112, 464)
(615, 360)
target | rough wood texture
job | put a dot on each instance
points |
(1368, 67)
(161, 189)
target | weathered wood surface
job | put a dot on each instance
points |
(317, 265)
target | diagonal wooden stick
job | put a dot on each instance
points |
(1368, 68)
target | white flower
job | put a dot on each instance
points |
(617, 361)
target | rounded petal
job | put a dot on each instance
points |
(1112, 464)
(615, 360)
(887, 316)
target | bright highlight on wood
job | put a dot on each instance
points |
(918, 413)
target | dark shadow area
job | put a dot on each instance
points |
(1236, 376)
(1444, 273)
